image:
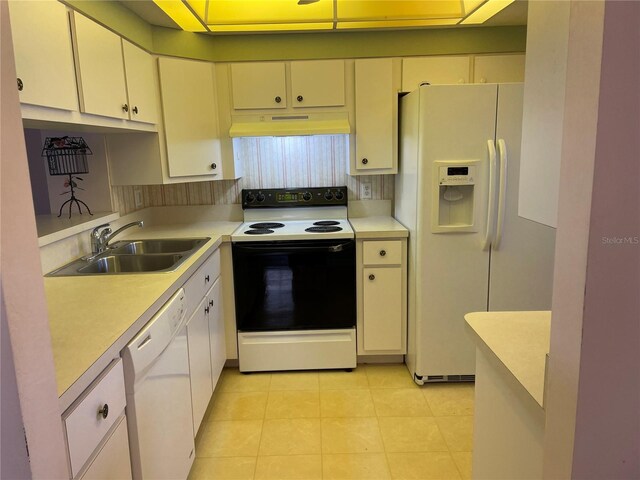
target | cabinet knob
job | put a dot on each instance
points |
(300, 98)
(365, 161)
(20, 84)
(213, 166)
(135, 109)
(383, 253)
(278, 99)
(206, 309)
(206, 279)
(125, 108)
(104, 411)
(372, 277)
(211, 303)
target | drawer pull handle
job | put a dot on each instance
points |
(372, 277)
(135, 109)
(125, 108)
(206, 279)
(365, 161)
(211, 303)
(104, 411)
(278, 99)
(206, 309)
(213, 166)
(300, 98)
(383, 253)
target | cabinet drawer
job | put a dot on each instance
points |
(200, 282)
(113, 459)
(85, 423)
(387, 252)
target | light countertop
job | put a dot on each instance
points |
(93, 317)
(378, 227)
(520, 340)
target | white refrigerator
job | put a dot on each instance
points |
(457, 193)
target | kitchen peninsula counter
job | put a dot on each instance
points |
(378, 227)
(93, 317)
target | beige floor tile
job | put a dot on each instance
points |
(294, 381)
(423, 466)
(338, 379)
(351, 435)
(450, 399)
(238, 406)
(234, 381)
(358, 466)
(464, 461)
(389, 376)
(228, 468)
(400, 402)
(411, 434)
(230, 438)
(290, 436)
(346, 403)
(457, 432)
(293, 404)
(289, 467)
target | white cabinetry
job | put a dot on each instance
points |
(94, 424)
(377, 82)
(498, 68)
(141, 84)
(43, 54)
(382, 312)
(217, 340)
(190, 117)
(263, 85)
(199, 361)
(434, 70)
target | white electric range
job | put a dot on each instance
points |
(294, 279)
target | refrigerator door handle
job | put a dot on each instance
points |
(502, 191)
(492, 196)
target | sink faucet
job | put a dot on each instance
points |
(100, 238)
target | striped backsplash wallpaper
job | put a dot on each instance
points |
(267, 162)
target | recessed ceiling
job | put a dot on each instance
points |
(381, 18)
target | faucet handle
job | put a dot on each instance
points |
(95, 232)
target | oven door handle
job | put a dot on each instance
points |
(295, 248)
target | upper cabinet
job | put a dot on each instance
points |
(281, 85)
(43, 54)
(377, 84)
(318, 83)
(101, 57)
(498, 68)
(259, 85)
(434, 70)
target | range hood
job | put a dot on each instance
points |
(289, 124)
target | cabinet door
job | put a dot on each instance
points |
(100, 70)
(190, 117)
(434, 70)
(258, 85)
(376, 115)
(216, 332)
(141, 87)
(317, 83)
(43, 54)
(382, 289)
(498, 69)
(113, 459)
(199, 362)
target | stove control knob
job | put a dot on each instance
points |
(250, 197)
(328, 196)
(306, 196)
(339, 195)
(260, 197)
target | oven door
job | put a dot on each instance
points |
(295, 285)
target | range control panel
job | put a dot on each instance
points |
(294, 197)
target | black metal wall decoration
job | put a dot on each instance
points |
(68, 156)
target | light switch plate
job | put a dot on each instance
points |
(365, 190)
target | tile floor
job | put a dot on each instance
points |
(372, 423)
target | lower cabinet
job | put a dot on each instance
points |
(96, 429)
(382, 293)
(217, 341)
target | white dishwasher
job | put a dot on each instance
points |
(156, 369)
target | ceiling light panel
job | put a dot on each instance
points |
(274, 12)
(397, 23)
(181, 14)
(486, 11)
(363, 10)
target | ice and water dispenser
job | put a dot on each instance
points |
(454, 196)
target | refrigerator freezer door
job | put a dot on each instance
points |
(455, 123)
(522, 262)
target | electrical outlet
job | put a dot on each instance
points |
(365, 190)
(137, 195)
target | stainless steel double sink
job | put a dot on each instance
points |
(134, 256)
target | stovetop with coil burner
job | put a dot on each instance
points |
(294, 214)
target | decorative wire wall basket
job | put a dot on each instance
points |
(66, 155)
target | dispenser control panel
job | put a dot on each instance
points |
(457, 175)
